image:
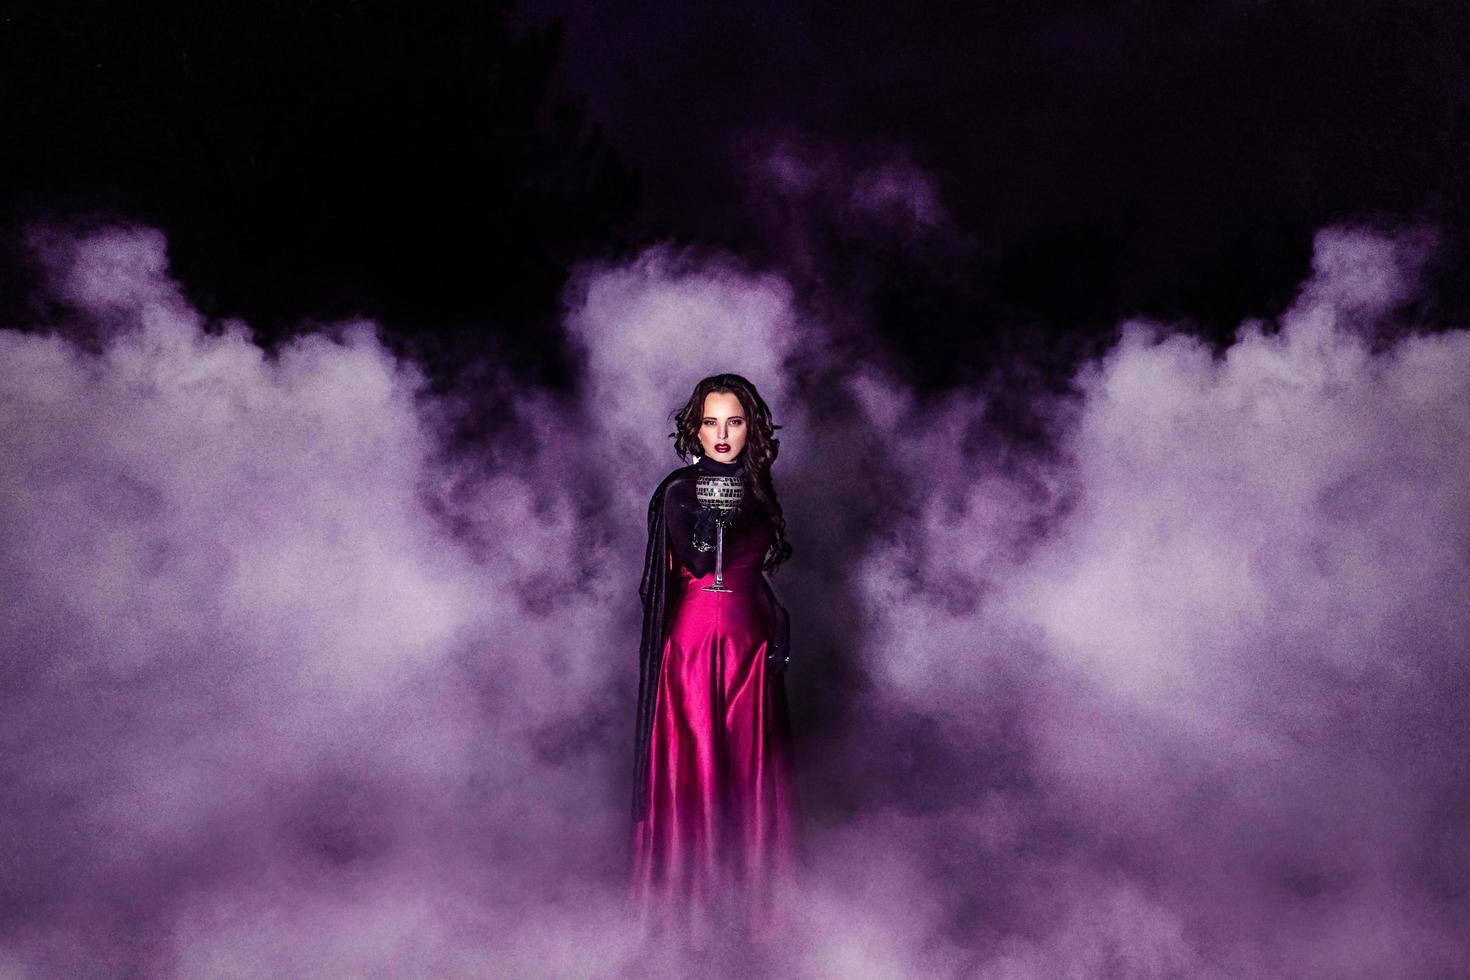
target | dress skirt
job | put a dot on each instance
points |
(719, 840)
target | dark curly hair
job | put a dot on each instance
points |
(761, 447)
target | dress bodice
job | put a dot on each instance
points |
(747, 539)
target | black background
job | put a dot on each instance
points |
(440, 166)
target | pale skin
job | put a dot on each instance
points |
(723, 425)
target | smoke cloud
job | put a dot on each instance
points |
(291, 689)
(1220, 641)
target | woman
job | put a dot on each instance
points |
(714, 832)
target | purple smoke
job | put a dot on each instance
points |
(291, 690)
(1227, 633)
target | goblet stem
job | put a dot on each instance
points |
(719, 585)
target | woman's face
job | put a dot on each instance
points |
(722, 429)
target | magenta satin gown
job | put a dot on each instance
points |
(719, 841)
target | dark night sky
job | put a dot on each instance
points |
(1163, 158)
(433, 166)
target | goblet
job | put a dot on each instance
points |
(720, 494)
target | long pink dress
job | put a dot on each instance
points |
(719, 839)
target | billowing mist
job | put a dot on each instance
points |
(291, 689)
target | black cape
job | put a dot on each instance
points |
(654, 590)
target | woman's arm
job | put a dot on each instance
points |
(779, 652)
(680, 510)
